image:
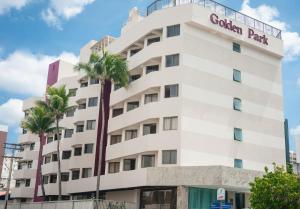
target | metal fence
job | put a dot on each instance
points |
(220, 9)
(74, 204)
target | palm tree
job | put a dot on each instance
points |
(57, 100)
(40, 122)
(107, 68)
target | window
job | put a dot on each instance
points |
(93, 101)
(19, 165)
(88, 148)
(153, 40)
(84, 84)
(237, 75)
(32, 146)
(114, 139)
(27, 182)
(54, 157)
(29, 164)
(47, 159)
(238, 163)
(50, 139)
(169, 156)
(24, 131)
(238, 134)
(151, 98)
(79, 128)
(152, 68)
(116, 112)
(66, 154)
(82, 106)
(72, 92)
(77, 151)
(91, 125)
(18, 183)
(68, 133)
(53, 178)
(132, 105)
(149, 129)
(172, 60)
(65, 176)
(129, 164)
(173, 30)
(170, 123)
(171, 91)
(236, 47)
(86, 172)
(45, 179)
(94, 81)
(134, 51)
(75, 174)
(70, 113)
(114, 167)
(237, 104)
(130, 134)
(148, 161)
(133, 78)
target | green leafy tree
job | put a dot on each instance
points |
(39, 121)
(278, 189)
(57, 103)
(107, 68)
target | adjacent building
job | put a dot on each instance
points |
(203, 110)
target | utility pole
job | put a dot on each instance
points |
(13, 148)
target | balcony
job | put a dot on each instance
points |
(163, 140)
(28, 138)
(28, 155)
(24, 173)
(22, 192)
(220, 9)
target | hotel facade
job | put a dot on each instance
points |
(203, 110)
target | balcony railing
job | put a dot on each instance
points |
(220, 9)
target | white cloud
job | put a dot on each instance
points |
(269, 14)
(295, 131)
(25, 73)
(7, 5)
(59, 10)
(11, 112)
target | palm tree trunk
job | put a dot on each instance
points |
(58, 159)
(101, 140)
(40, 166)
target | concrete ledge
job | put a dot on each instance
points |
(202, 176)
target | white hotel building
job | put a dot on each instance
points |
(203, 110)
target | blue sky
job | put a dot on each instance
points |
(36, 32)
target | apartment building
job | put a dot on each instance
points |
(3, 138)
(203, 110)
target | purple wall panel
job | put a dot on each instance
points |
(53, 73)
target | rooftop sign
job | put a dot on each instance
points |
(228, 24)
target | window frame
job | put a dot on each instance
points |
(237, 104)
(151, 131)
(237, 76)
(93, 102)
(78, 151)
(171, 157)
(236, 133)
(89, 150)
(90, 125)
(173, 30)
(113, 167)
(172, 60)
(170, 128)
(236, 47)
(170, 90)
